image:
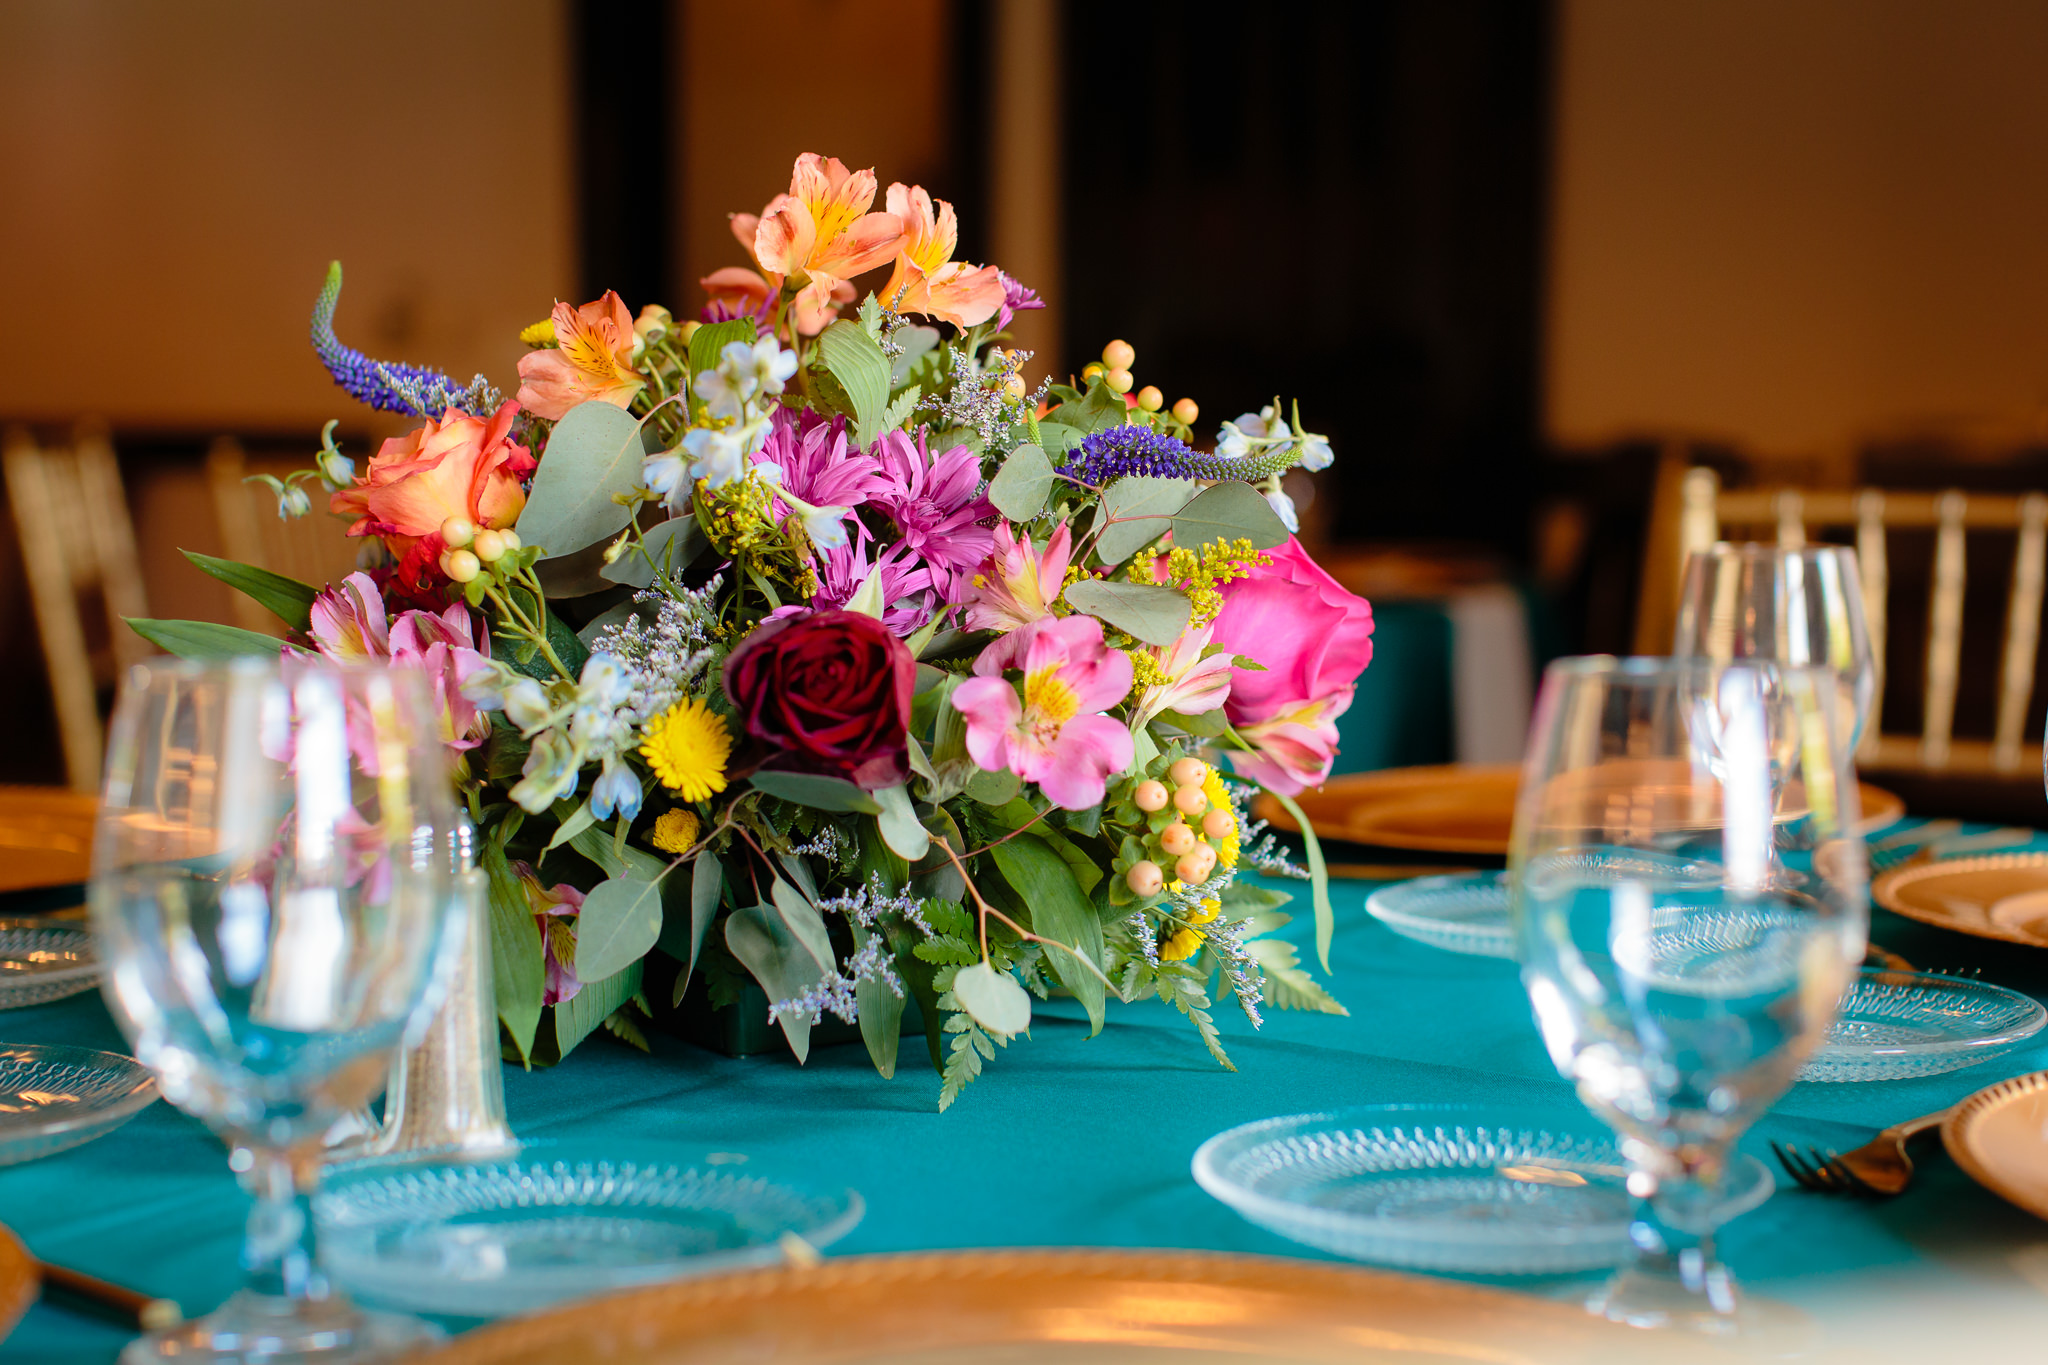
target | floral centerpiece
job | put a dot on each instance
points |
(808, 647)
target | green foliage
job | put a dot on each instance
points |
(1136, 511)
(964, 1056)
(673, 544)
(1021, 486)
(707, 341)
(785, 946)
(898, 821)
(578, 1017)
(1186, 988)
(1288, 987)
(619, 924)
(289, 600)
(1098, 409)
(518, 967)
(855, 360)
(204, 639)
(900, 411)
(1318, 878)
(682, 935)
(817, 791)
(1156, 615)
(993, 998)
(593, 454)
(1059, 911)
(881, 1013)
(1229, 511)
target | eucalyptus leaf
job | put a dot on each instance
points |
(901, 831)
(816, 791)
(1137, 511)
(673, 544)
(994, 789)
(578, 820)
(683, 939)
(1021, 486)
(289, 600)
(881, 1012)
(205, 639)
(1059, 911)
(594, 452)
(786, 948)
(853, 358)
(578, 574)
(598, 845)
(994, 998)
(1229, 511)
(619, 923)
(1156, 615)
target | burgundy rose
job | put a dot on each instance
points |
(829, 690)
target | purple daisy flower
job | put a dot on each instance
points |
(816, 463)
(936, 505)
(1016, 299)
(908, 596)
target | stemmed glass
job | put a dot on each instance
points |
(1688, 893)
(1803, 606)
(272, 900)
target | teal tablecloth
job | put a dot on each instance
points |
(1067, 1140)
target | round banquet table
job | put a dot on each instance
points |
(1068, 1141)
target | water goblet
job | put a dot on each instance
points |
(1688, 895)
(1790, 606)
(272, 900)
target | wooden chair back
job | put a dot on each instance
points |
(1704, 509)
(78, 546)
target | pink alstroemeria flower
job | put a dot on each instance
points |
(1019, 582)
(592, 358)
(554, 908)
(823, 231)
(1056, 735)
(349, 626)
(348, 623)
(927, 279)
(1194, 685)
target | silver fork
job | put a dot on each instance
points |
(1879, 1167)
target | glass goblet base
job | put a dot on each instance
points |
(263, 1329)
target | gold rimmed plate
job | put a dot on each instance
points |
(45, 837)
(2001, 895)
(1464, 808)
(1996, 1137)
(1065, 1306)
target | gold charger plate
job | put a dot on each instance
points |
(975, 1307)
(45, 837)
(20, 1281)
(1997, 1137)
(1451, 808)
(2001, 895)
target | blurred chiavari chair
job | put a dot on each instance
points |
(78, 547)
(312, 549)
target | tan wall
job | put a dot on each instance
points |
(1799, 223)
(175, 178)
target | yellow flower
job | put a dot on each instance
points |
(687, 747)
(675, 831)
(1219, 799)
(1211, 908)
(1181, 945)
(541, 333)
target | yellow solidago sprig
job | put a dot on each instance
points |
(687, 747)
(1200, 572)
(738, 519)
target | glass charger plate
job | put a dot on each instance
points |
(43, 960)
(1076, 1307)
(53, 1098)
(1896, 1025)
(1468, 1188)
(1468, 912)
(560, 1220)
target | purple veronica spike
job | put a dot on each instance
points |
(410, 389)
(1121, 452)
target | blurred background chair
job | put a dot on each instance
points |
(313, 549)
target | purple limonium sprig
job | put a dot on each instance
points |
(413, 390)
(1121, 452)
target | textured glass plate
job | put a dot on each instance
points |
(52, 1098)
(1468, 913)
(1467, 1188)
(558, 1221)
(1896, 1025)
(44, 960)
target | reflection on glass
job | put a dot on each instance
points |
(1688, 906)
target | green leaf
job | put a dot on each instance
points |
(518, 966)
(1207, 725)
(853, 358)
(898, 412)
(576, 1019)
(786, 948)
(578, 820)
(1156, 615)
(289, 600)
(901, 830)
(1059, 911)
(963, 1063)
(1058, 440)
(1137, 511)
(1097, 410)
(994, 998)
(1288, 987)
(204, 639)
(620, 921)
(684, 942)
(1021, 486)
(594, 452)
(881, 1013)
(597, 845)
(707, 341)
(673, 544)
(1318, 878)
(578, 574)
(994, 789)
(917, 341)
(816, 791)
(611, 616)
(1229, 511)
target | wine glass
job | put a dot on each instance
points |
(272, 901)
(1803, 606)
(1688, 890)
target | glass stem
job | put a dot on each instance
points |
(277, 1253)
(1674, 1246)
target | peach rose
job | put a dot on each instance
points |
(456, 466)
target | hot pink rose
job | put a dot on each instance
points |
(1314, 639)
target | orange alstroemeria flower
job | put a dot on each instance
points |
(822, 230)
(592, 358)
(930, 280)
